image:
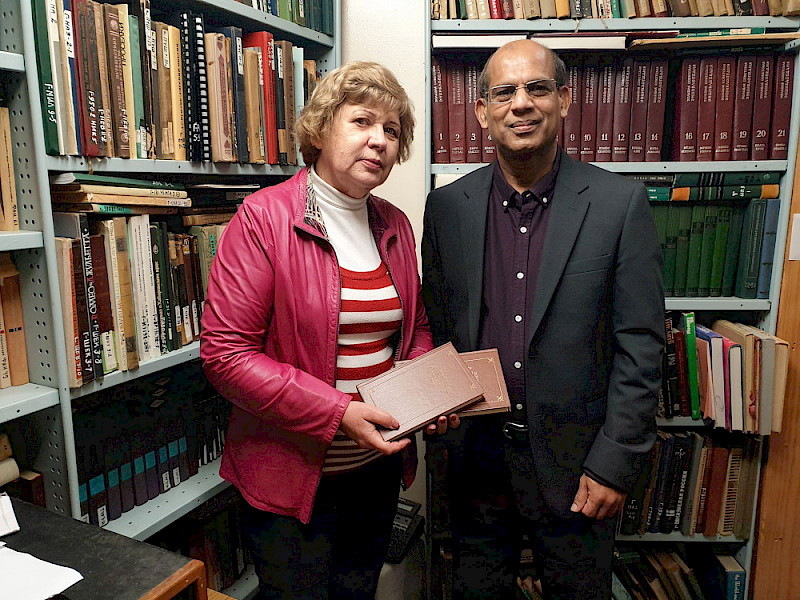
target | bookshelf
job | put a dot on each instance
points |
(449, 37)
(38, 415)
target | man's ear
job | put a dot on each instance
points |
(565, 97)
(480, 112)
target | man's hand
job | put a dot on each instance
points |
(441, 424)
(359, 421)
(596, 500)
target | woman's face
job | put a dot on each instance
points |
(361, 148)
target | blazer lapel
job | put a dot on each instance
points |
(567, 213)
(472, 235)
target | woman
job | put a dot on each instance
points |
(314, 288)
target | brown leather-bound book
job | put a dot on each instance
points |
(622, 111)
(723, 126)
(88, 95)
(441, 134)
(117, 117)
(706, 107)
(488, 150)
(474, 141)
(219, 106)
(656, 104)
(605, 112)
(589, 89)
(434, 384)
(288, 99)
(762, 107)
(743, 106)
(716, 485)
(572, 122)
(485, 365)
(11, 302)
(640, 83)
(456, 111)
(685, 140)
(781, 106)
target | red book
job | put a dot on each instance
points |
(589, 89)
(605, 112)
(495, 10)
(488, 150)
(640, 82)
(762, 107)
(88, 97)
(572, 122)
(719, 470)
(456, 114)
(265, 41)
(656, 104)
(760, 8)
(473, 127)
(622, 111)
(743, 107)
(440, 132)
(781, 106)
(685, 140)
(706, 107)
(723, 126)
(507, 9)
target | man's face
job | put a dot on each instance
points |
(527, 124)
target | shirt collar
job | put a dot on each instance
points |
(541, 191)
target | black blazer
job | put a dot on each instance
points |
(596, 327)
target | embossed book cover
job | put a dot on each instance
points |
(416, 393)
(485, 365)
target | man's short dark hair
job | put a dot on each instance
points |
(559, 72)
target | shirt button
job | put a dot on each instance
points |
(517, 365)
(523, 230)
(544, 200)
(518, 318)
(505, 202)
(520, 275)
(518, 406)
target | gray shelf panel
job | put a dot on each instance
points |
(727, 303)
(677, 536)
(726, 166)
(21, 400)
(165, 361)
(20, 240)
(10, 61)
(143, 521)
(578, 25)
(245, 587)
(166, 167)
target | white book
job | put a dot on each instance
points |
(299, 96)
(150, 278)
(65, 51)
(54, 37)
(137, 226)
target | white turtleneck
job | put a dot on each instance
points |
(347, 225)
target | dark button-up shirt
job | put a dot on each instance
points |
(516, 225)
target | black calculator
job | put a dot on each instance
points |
(406, 529)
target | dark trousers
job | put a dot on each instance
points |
(495, 501)
(340, 552)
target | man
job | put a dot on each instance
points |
(557, 264)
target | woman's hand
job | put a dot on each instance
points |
(441, 424)
(359, 421)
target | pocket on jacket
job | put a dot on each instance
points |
(587, 265)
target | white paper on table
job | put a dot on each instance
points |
(26, 577)
(8, 520)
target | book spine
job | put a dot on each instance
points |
(71, 81)
(288, 104)
(572, 122)
(723, 125)
(707, 251)
(131, 116)
(200, 83)
(688, 86)
(750, 249)
(165, 132)
(743, 106)
(719, 251)
(656, 105)
(762, 107)
(88, 100)
(768, 247)
(237, 81)
(590, 86)
(473, 127)
(439, 111)
(176, 82)
(158, 280)
(640, 83)
(47, 88)
(605, 113)
(781, 107)
(706, 108)
(105, 316)
(456, 111)
(695, 247)
(119, 111)
(98, 67)
(622, 111)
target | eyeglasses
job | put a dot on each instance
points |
(538, 88)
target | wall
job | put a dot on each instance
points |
(392, 32)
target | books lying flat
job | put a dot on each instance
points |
(80, 197)
(116, 209)
(485, 365)
(416, 393)
(90, 178)
(121, 190)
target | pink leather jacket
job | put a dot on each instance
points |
(269, 339)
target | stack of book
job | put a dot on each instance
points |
(175, 91)
(647, 109)
(13, 350)
(732, 375)
(717, 232)
(579, 9)
(696, 484)
(155, 434)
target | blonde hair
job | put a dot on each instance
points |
(358, 82)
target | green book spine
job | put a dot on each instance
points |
(695, 245)
(720, 246)
(750, 249)
(671, 248)
(659, 212)
(691, 363)
(283, 9)
(138, 98)
(686, 180)
(682, 248)
(300, 12)
(615, 9)
(707, 250)
(46, 85)
(732, 250)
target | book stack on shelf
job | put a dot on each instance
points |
(606, 9)
(721, 107)
(676, 572)
(156, 434)
(717, 231)
(180, 91)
